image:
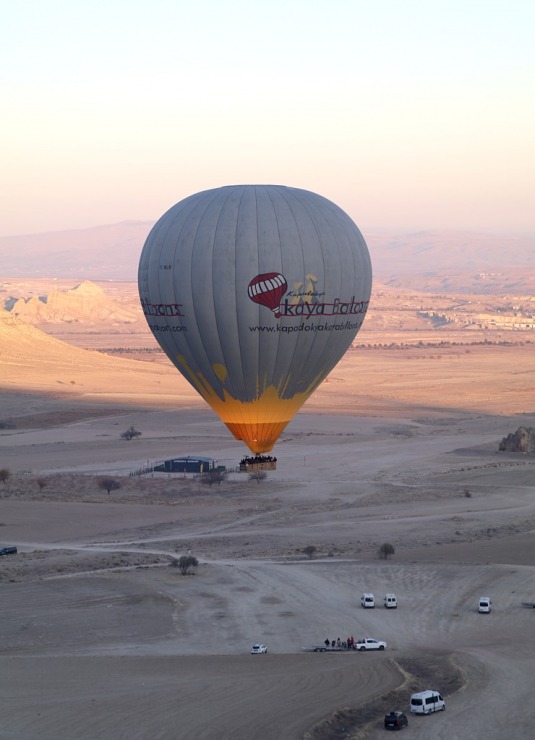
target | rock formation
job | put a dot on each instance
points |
(87, 303)
(523, 440)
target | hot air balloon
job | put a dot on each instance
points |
(255, 292)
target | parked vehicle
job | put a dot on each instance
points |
(368, 643)
(396, 721)
(390, 601)
(258, 648)
(425, 702)
(8, 550)
(485, 605)
(367, 601)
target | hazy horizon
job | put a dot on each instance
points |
(386, 230)
(410, 116)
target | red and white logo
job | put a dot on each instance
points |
(267, 290)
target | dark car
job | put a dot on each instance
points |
(8, 550)
(396, 721)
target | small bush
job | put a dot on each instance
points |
(309, 550)
(385, 550)
(186, 562)
(213, 476)
(108, 485)
(130, 433)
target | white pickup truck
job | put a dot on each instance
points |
(368, 643)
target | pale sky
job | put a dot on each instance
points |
(410, 114)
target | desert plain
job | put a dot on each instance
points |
(101, 636)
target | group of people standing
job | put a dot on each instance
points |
(257, 459)
(347, 644)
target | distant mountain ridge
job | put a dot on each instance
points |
(109, 252)
(420, 260)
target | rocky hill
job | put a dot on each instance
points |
(523, 440)
(35, 363)
(86, 304)
(24, 346)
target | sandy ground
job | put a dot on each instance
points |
(102, 637)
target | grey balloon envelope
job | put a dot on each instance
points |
(255, 292)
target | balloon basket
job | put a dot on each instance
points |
(258, 462)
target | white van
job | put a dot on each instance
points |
(426, 702)
(367, 601)
(390, 601)
(485, 605)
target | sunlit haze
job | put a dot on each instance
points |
(412, 115)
